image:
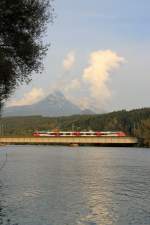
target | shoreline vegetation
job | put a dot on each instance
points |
(134, 123)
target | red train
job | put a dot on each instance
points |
(79, 133)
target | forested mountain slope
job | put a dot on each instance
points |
(135, 122)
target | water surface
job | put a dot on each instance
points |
(50, 185)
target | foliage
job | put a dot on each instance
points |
(135, 123)
(22, 24)
(143, 132)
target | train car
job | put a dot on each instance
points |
(79, 133)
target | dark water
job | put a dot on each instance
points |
(46, 185)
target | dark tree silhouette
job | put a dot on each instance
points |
(22, 25)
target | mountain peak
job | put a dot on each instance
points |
(55, 104)
(55, 96)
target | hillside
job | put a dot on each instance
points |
(135, 122)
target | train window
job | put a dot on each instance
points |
(55, 134)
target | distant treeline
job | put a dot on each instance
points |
(135, 122)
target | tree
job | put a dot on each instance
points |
(144, 132)
(22, 25)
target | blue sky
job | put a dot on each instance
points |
(84, 27)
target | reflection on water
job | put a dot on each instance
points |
(46, 185)
(4, 217)
(117, 188)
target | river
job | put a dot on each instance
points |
(57, 185)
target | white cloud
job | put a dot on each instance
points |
(72, 85)
(91, 88)
(97, 74)
(69, 61)
(29, 98)
(83, 102)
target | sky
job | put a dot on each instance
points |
(99, 56)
